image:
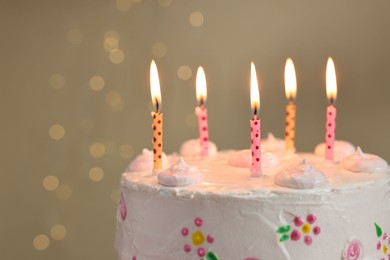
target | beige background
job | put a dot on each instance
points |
(75, 101)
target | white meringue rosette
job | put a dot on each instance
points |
(243, 159)
(364, 162)
(144, 161)
(301, 175)
(272, 144)
(191, 148)
(342, 149)
(179, 174)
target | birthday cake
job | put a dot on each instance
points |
(303, 206)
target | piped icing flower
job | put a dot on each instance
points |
(353, 250)
(364, 162)
(179, 174)
(272, 144)
(192, 148)
(144, 161)
(342, 149)
(301, 175)
(243, 159)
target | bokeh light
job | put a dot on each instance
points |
(115, 196)
(64, 192)
(165, 3)
(97, 150)
(96, 174)
(96, 83)
(50, 183)
(196, 19)
(126, 151)
(41, 242)
(74, 36)
(57, 81)
(184, 72)
(57, 132)
(159, 49)
(114, 101)
(58, 232)
(123, 5)
(111, 43)
(117, 56)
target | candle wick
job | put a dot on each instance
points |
(201, 101)
(332, 101)
(255, 111)
(157, 106)
(291, 99)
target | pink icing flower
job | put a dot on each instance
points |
(295, 235)
(311, 218)
(353, 250)
(298, 221)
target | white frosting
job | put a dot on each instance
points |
(240, 215)
(179, 174)
(364, 162)
(243, 159)
(191, 148)
(301, 175)
(273, 144)
(342, 149)
(144, 161)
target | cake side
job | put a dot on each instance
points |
(233, 216)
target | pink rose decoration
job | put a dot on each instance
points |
(353, 250)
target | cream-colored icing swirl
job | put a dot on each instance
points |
(144, 161)
(179, 174)
(301, 175)
(243, 159)
(191, 148)
(272, 144)
(364, 162)
(342, 149)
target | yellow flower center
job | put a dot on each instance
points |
(197, 238)
(384, 249)
(306, 228)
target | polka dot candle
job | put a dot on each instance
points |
(331, 91)
(157, 116)
(201, 112)
(255, 126)
(290, 126)
(290, 82)
(157, 140)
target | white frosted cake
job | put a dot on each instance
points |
(304, 207)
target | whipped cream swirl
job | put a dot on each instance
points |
(243, 159)
(144, 161)
(179, 174)
(272, 144)
(364, 162)
(342, 149)
(301, 175)
(191, 148)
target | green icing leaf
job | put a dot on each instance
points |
(283, 229)
(211, 256)
(378, 230)
(284, 237)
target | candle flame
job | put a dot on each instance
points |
(290, 80)
(331, 81)
(255, 96)
(155, 85)
(201, 87)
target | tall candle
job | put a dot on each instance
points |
(157, 119)
(331, 91)
(201, 112)
(290, 82)
(255, 124)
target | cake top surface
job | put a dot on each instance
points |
(217, 176)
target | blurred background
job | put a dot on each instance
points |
(75, 98)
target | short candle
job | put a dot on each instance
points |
(290, 82)
(255, 124)
(201, 112)
(331, 91)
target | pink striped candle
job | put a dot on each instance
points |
(331, 91)
(256, 170)
(201, 112)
